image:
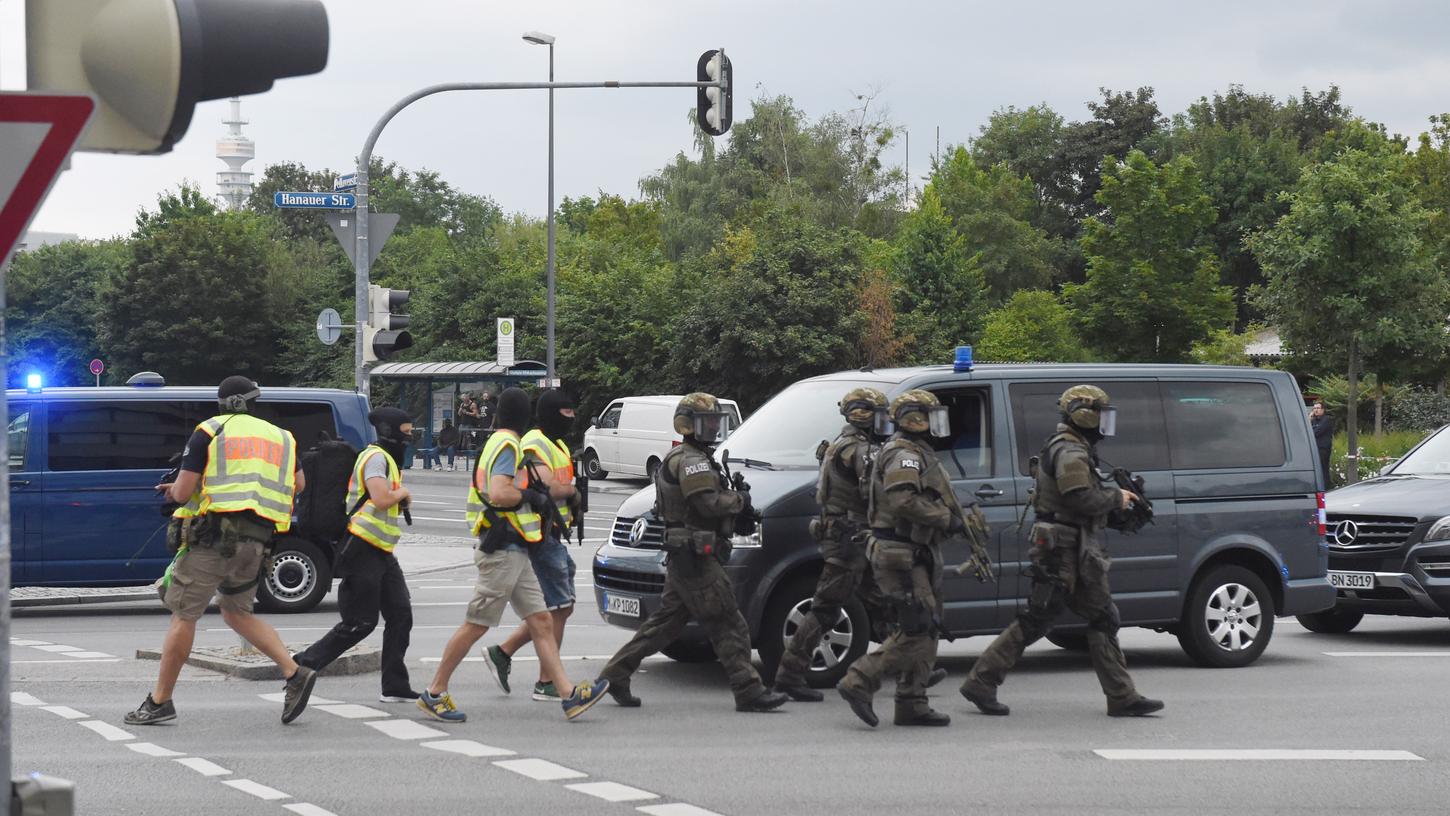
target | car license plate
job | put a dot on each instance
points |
(1351, 580)
(622, 605)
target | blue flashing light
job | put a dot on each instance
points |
(963, 361)
(33, 383)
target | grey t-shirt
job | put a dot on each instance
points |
(376, 467)
(507, 464)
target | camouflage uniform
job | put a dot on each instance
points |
(1069, 569)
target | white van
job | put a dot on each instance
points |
(632, 434)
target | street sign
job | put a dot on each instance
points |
(314, 201)
(329, 326)
(506, 342)
(39, 131)
(344, 227)
(545, 382)
(97, 367)
(345, 183)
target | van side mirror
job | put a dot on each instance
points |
(593, 422)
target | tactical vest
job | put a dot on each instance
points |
(250, 466)
(522, 518)
(555, 455)
(838, 488)
(1047, 503)
(933, 478)
(375, 526)
(674, 508)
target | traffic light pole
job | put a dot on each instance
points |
(361, 262)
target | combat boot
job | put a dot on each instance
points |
(860, 703)
(1140, 707)
(621, 695)
(800, 692)
(767, 701)
(937, 675)
(913, 715)
(986, 702)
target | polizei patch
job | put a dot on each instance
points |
(691, 470)
(914, 464)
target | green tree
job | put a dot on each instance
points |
(1032, 326)
(943, 298)
(1349, 275)
(53, 295)
(1429, 169)
(1152, 286)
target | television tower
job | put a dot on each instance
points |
(235, 184)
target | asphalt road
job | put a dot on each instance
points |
(1374, 698)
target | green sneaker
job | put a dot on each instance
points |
(546, 693)
(498, 665)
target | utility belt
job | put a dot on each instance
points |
(1051, 518)
(223, 532)
(836, 526)
(499, 533)
(701, 543)
(891, 534)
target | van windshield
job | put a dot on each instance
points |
(787, 429)
(1430, 459)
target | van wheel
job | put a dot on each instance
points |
(1074, 640)
(298, 579)
(1228, 619)
(847, 640)
(1331, 621)
(591, 466)
(651, 467)
(690, 651)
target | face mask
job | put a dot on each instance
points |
(1108, 421)
(711, 428)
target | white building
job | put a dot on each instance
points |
(234, 185)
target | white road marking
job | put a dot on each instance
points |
(1257, 754)
(531, 658)
(441, 603)
(612, 791)
(256, 789)
(458, 519)
(468, 748)
(205, 767)
(88, 654)
(425, 501)
(540, 769)
(32, 662)
(67, 712)
(58, 648)
(152, 749)
(352, 711)
(14, 642)
(1388, 654)
(110, 732)
(312, 701)
(21, 698)
(446, 586)
(676, 809)
(405, 729)
(306, 809)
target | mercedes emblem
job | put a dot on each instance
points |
(1345, 533)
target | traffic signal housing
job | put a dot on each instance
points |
(385, 333)
(713, 105)
(149, 62)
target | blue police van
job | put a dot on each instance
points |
(84, 464)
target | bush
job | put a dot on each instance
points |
(1418, 409)
(1375, 452)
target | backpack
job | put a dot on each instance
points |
(321, 507)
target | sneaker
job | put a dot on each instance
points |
(585, 695)
(152, 713)
(498, 665)
(440, 707)
(294, 696)
(405, 696)
(545, 692)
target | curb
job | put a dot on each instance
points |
(130, 594)
(233, 662)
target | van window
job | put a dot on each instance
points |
(120, 435)
(1222, 424)
(968, 451)
(734, 412)
(19, 434)
(1142, 440)
(305, 420)
(610, 417)
(786, 430)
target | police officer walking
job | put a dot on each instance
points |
(913, 509)
(1069, 560)
(700, 510)
(236, 484)
(842, 530)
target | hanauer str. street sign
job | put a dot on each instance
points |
(314, 201)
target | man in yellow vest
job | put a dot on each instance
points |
(546, 454)
(236, 483)
(504, 512)
(372, 581)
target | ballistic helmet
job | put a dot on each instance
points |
(918, 411)
(698, 415)
(861, 405)
(1087, 407)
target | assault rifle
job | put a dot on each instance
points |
(581, 490)
(1140, 513)
(977, 534)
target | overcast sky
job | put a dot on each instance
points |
(946, 64)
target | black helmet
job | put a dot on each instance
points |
(237, 395)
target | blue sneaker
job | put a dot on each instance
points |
(585, 695)
(440, 707)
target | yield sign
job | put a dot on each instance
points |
(37, 134)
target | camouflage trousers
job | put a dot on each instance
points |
(908, 657)
(841, 578)
(707, 598)
(1069, 571)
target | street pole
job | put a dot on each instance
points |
(549, 355)
(5, 766)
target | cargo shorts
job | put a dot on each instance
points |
(201, 571)
(505, 578)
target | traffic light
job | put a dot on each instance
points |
(385, 335)
(148, 62)
(712, 105)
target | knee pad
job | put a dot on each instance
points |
(1108, 621)
(911, 614)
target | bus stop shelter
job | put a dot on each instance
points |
(431, 375)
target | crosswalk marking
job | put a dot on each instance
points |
(612, 791)
(467, 748)
(405, 729)
(1388, 654)
(152, 749)
(540, 769)
(21, 698)
(306, 809)
(205, 767)
(67, 712)
(352, 711)
(110, 732)
(676, 809)
(256, 789)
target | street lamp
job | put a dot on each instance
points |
(540, 38)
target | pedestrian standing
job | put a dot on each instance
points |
(372, 580)
(486, 410)
(1069, 560)
(700, 510)
(504, 511)
(236, 485)
(546, 454)
(1323, 438)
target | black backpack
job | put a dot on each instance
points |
(321, 507)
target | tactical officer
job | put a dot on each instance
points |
(841, 491)
(1069, 559)
(912, 510)
(236, 483)
(701, 510)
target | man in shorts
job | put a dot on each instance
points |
(503, 509)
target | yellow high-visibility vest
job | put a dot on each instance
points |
(555, 455)
(251, 465)
(373, 525)
(523, 519)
